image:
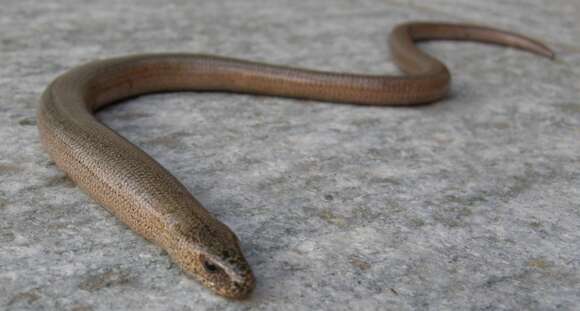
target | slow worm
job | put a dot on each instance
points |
(152, 202)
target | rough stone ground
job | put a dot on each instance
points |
(471, 203)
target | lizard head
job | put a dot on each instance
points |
(213, 256)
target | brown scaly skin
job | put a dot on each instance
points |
(153, 203)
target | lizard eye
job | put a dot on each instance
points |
(209, 266)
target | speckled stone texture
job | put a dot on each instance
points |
(469, 204)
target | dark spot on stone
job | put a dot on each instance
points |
(360, 264)
(364, 214)
(454, 210)
(27, 297)
(537, 264)
(171, 141)
(60, 180)
(570, 107)
(27, 121)
(3, 202)
(394, 291)
(7, 41)
(81, 307)
(493, 280)
(390, 181)
(328, 197)
(465, 200)
(452, 216)
(366, 122)
(291, 267)
(6, 237)
(501, 125)
(520, 185)
(417, 222)
(130, 116)
(8, 169)
(328, 216)
(106, 279)
(314, 182)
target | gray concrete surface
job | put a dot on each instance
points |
(471, 203)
